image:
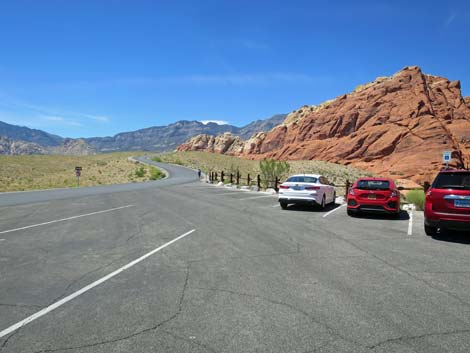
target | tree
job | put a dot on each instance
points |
(270, 169)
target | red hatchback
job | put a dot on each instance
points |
(447, 203)
(373, 195)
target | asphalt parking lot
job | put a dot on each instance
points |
(190, 267)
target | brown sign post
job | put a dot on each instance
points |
(78, 172)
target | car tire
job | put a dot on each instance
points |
(283, 205)
(430, 230)
(334, 198)
(350, 213)
(323, 202)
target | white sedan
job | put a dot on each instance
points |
(310, 189)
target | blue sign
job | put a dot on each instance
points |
(446, 156)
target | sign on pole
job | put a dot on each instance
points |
(78, 172)
(446, 157)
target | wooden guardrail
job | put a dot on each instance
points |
(238, 179)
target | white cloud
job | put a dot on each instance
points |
(450, 19)
(59, 120)
(49, 114)
(218, 122)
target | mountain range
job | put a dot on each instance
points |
(23, 140)
(395, 126)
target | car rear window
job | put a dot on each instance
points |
(452, 181)
(373, 184)
(302, 179)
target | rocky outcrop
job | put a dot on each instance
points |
(13, 147)
(226, 143)
(396, 126)
(73, 147)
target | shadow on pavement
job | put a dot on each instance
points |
(403, 216)
(452, 236)
(316, 209)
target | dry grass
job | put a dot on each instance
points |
(18, 173)
(207, 162)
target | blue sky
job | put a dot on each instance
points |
(96, 68)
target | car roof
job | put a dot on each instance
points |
(375, 178)
(309, 175)
(455, 171)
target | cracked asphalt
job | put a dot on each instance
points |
(251, 278)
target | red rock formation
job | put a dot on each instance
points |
(396, 126)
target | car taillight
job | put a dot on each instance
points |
(283, 187)
(351, 191)
(312, 188)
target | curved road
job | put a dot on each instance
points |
(180, 266)
(177, 175)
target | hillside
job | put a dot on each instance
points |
(396, 126)
(156, 138)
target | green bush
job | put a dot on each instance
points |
(156, 174)
(416, 197)
(157, 159)
(140, 172)
(270, 169)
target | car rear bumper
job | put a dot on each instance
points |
(298, 200)
(448, 224)
(377, 207)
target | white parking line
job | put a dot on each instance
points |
(86, 289)
(410, 222)
(333, 210)
(255, 197)
(64, 219)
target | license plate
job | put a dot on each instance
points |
(462, 203)
(297, 187)
(372, 197)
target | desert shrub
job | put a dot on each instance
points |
(417, 198)
(101, 163)
(270, 169)
(157, 159)
(140, 172)
(156, 174)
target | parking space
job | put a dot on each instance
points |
(251, 274)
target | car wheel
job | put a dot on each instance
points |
(334, 198)
(283, 205)
(323, 202)
(430, 230)
(351, 213)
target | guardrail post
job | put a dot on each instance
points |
(426, 186)
(222, 176)
(238, 177)
(258, 181)
(216, 176)
(276, 182)
(348, 185)
(231, 178)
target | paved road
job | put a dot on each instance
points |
(249, 278)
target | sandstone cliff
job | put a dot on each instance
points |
(396, 126)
